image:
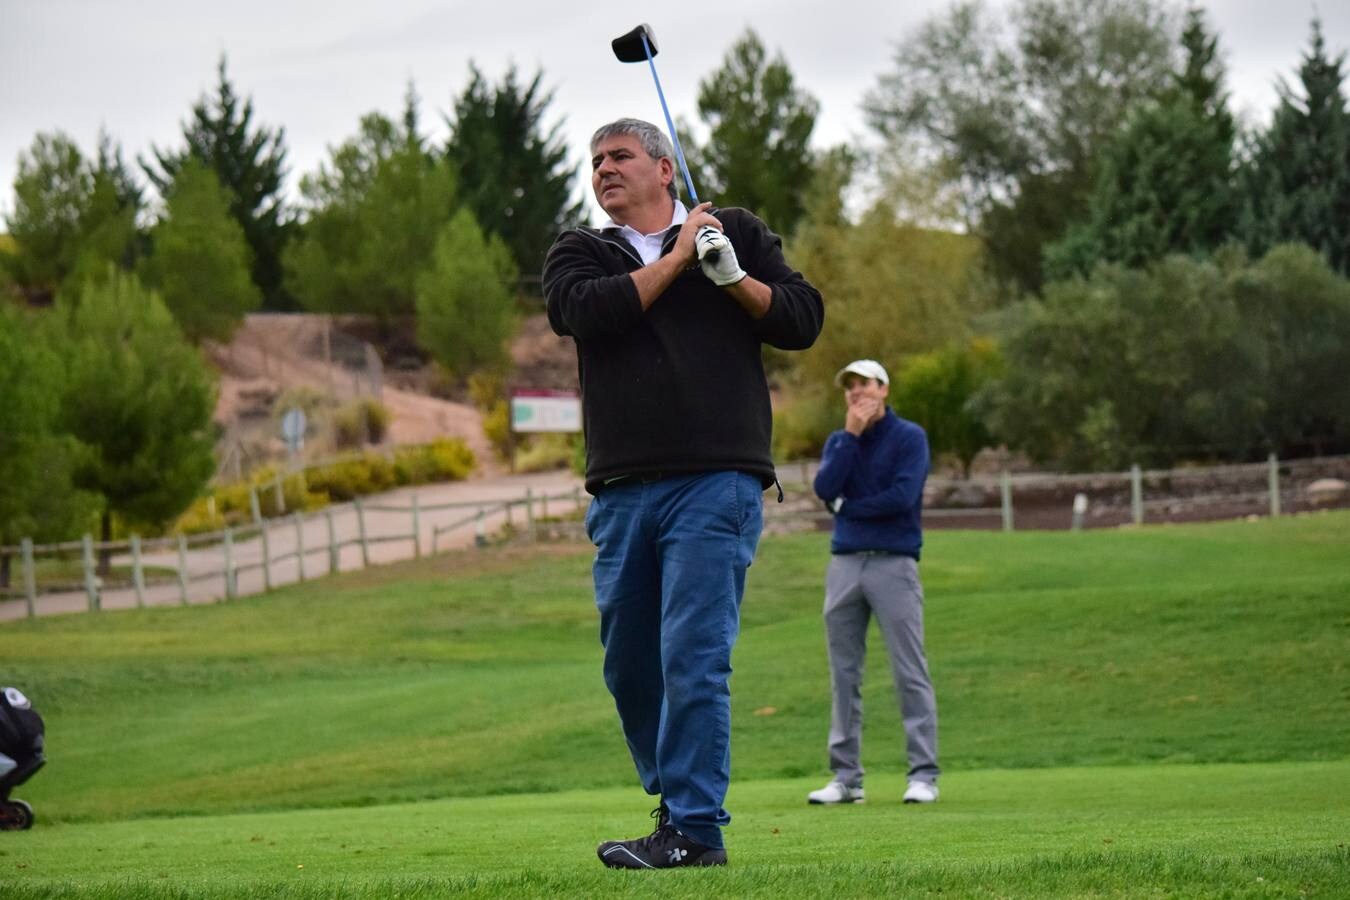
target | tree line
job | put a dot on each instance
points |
(1138, 278)
(1055, 233)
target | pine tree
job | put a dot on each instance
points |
(1297, 186)
(139, 397)
(250, 163)
(200, 260)
(513, 175)
(1166, 184)
(758, 153)
(51, 201)
(373, 216)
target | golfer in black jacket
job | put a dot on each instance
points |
(669, 308)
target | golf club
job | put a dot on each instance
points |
(635, 46)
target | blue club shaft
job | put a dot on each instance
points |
(675, 138)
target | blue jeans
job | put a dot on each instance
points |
(670, 565)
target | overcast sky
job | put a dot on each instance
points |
(315, 66)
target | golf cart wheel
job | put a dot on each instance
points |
(16, 815)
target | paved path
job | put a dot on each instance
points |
(385, 515)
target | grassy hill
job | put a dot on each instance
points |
(1208, 662)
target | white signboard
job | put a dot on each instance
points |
(533, 411)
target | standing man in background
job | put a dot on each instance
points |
(669, 308)
(871, 477)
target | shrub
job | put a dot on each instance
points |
(360, 422)
(447, 459)
(544, 452)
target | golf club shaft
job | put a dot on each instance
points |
(670, 124)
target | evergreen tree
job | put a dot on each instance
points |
(373, 215)
(139, 397)
(200, 260)
(1166, 184)
(513, 176)
(109, 233)
(1297, 185)
(465, 299)
(51, 201)
(250, 164)
(37, 498)
(758, 154)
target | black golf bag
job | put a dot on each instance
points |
(21, 734)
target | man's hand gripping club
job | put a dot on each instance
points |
(717, 257)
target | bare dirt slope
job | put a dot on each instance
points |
(270, 355)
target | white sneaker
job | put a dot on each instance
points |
(836, 792)
(921, 792)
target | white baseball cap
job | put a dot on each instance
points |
(867, 368)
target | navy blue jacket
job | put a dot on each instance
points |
(880, 474)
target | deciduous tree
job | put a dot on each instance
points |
(1019, 114)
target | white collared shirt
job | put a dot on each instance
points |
(648, 246)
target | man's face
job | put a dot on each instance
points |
(627, 182)
(858, 388)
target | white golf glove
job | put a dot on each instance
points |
(717, 257)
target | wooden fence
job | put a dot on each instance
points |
(298, 546)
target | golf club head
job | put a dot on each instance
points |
(628, 47)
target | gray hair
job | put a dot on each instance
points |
(652, 139)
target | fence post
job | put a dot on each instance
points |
(480, 531)
(576, 497)
(1005, 488)
(137, 574)
(280, 494)
(1136, 495)
(529, 514)
(417, 528)
(267, 556)
(332, 543)
(361, 532)
(253, 505)
(1080, 505)
(29, 577)
(1274, 478)
(182, 569)
(91, 579)
(299, 544)
(229, 563)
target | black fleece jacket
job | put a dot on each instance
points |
(679, 388)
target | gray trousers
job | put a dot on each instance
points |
(858, 586)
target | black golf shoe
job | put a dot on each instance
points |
(664, 848)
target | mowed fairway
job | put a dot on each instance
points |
(1160, 711)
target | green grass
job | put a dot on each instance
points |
(1120, 711)
(1251, 830)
